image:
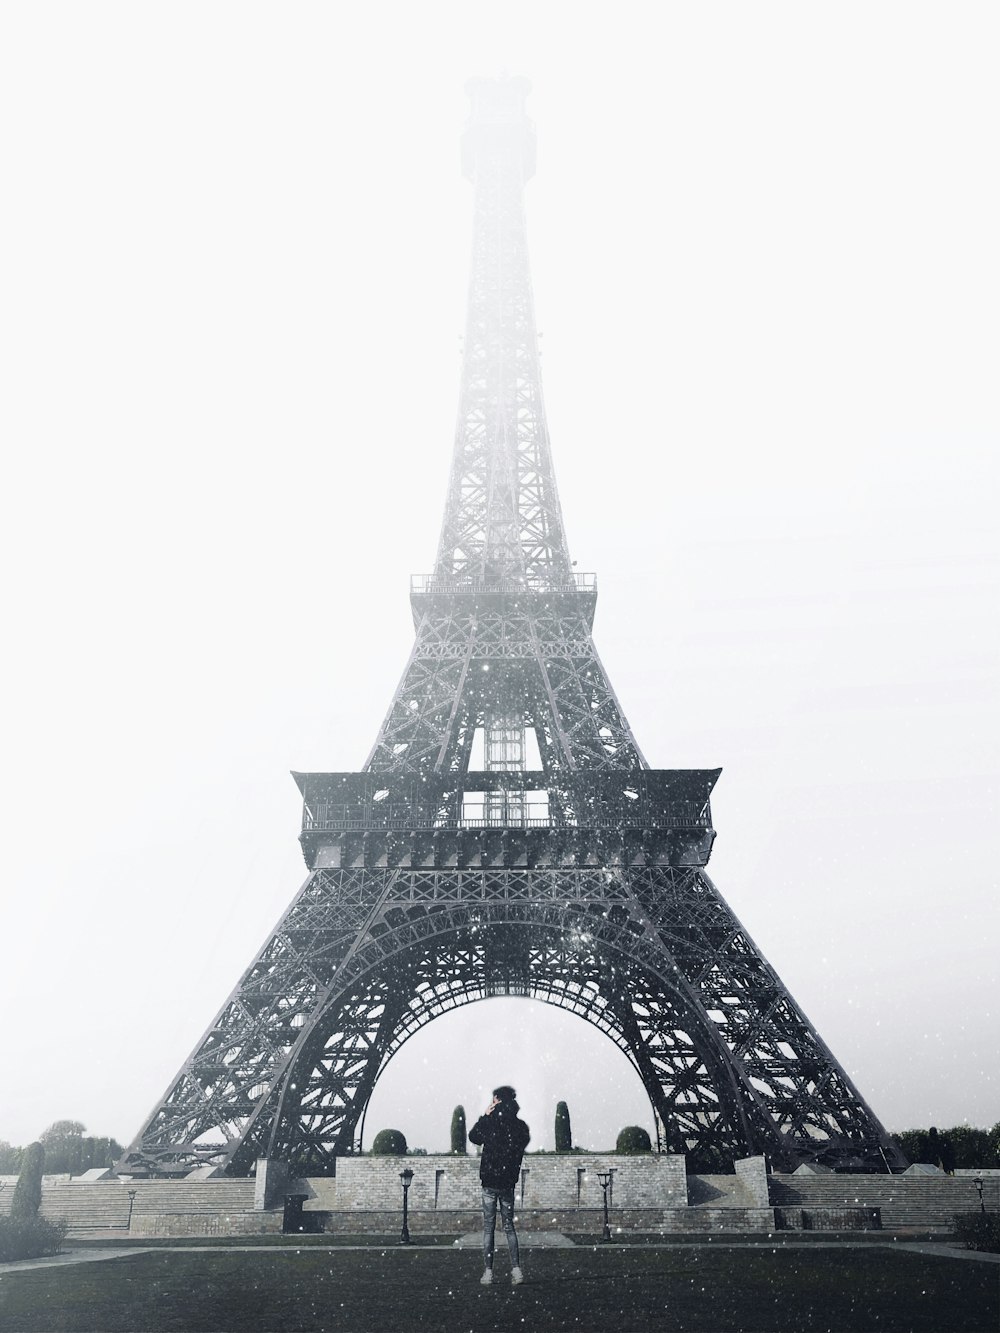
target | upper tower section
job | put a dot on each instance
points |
(502, 527)
(497, 121)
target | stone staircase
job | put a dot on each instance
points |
(89, 1207)
(918, 1202)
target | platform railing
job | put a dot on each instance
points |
(402, 817)
(426, 584)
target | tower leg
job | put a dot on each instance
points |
(621, 1005)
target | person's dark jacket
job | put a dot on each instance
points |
(504, 1138)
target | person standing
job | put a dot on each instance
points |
(503, 1138)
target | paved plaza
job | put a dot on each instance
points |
(759, 1286)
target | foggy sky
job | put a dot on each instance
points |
(765, 268)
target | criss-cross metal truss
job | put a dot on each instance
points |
(506, 836)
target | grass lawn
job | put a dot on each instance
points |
(607, 1290)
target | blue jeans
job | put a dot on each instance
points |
(505, 1198)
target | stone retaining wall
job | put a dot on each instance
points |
(828, 1219)
(676, 1221)
(446, 1183)
(459, 1222)
(557, 1192)
(208, 1224)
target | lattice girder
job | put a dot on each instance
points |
(537, 661)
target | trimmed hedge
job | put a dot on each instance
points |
(979, 1231)
(29, 1238)
(389, 1143)
(633, 1141)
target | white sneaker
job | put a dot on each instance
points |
(516, 1277)
(487, 1277)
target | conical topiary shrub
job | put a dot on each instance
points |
(564, 1131)
(28, 1190)
(458, 1132)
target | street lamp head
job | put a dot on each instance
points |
(406, 1177)
(604, 1179)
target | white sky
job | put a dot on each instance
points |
(234, 256)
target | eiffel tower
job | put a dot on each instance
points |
(506, 835)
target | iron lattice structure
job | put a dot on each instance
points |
(506, 836)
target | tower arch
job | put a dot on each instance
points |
(606, 966)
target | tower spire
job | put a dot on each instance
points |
(502, 521)
(503, 645)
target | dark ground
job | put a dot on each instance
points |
(610, 1290)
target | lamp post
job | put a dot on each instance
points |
(406, 1177)
(131, 1205)
(604, 1180)
(978, 1182)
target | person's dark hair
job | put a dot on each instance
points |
(505, 1094)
